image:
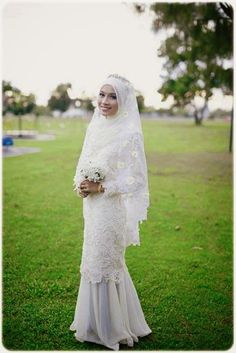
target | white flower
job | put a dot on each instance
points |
(120, 164)
(92, 173)
(134, 153)
(130, 180)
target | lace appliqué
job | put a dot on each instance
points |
(108, 227)
(104, 239)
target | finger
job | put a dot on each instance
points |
(83, 195)
(82, 191)
(85, 188)
(85, 192)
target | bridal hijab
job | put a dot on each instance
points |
(116, 144)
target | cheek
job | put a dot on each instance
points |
(115, 106)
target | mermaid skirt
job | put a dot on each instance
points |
(109, 313)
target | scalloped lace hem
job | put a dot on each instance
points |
(95, 277)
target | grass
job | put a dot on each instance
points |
(183, 269)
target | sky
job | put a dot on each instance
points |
(81, 42)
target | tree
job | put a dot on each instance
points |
(86, 103)
(40, 110)
(14, 101)
(60, 99)
(140, 101)
(196, 52)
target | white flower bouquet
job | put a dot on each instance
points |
(94, 174)
(90, 173)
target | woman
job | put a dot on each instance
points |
(108, 310)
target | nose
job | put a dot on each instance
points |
(105, 99)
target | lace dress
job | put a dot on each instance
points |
(108, 309)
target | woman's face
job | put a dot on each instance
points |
(107, 101)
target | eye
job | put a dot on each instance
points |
(101, 94)
(113, 97)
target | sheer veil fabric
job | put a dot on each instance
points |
(108, 310)
(124, 132)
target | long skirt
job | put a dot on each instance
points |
(108, 310)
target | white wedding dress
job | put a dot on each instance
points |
(108, 310)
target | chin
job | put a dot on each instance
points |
(105, 113)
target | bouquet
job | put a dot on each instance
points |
(90, 173)
(94, 174)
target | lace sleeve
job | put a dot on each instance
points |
(129, 175)
(77, 177)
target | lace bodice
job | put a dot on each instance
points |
(106, 230)
(122, 166)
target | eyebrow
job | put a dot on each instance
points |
(108, 93)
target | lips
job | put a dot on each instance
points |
(105, 108)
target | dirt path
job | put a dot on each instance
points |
(18, 151)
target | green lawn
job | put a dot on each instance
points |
(183, 269)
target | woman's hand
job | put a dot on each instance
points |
(82, 194)
(88, 187)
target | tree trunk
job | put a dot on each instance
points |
(200, 113)
(20, 125)
(198, 120)
(36, 119)
(231, 131)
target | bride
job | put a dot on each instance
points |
(111, 177)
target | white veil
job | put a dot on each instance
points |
(121, 128)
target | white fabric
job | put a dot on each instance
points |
(109, 313)
(116, 144)
(104, 238)
(108, 310)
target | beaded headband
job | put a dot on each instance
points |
(121, 78)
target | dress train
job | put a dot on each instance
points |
(109, 313)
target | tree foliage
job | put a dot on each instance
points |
(40, 110)
(140, 101)
(86, 103)
(198, 52)
(60, 99)
(14, 101)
